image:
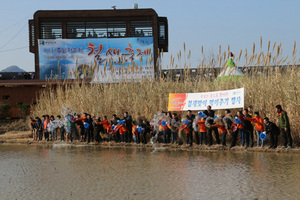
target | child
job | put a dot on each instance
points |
(135, 132)
(259, 125)
(202, 130)
(274, 132)
(223, 130)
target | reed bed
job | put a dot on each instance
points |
(263, 89)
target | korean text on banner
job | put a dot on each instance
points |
(199, 101)
(105, 59)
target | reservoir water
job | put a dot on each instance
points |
(93, 172)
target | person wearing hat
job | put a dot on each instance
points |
(284, 125)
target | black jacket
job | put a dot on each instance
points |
(38, 125)
(210, 114)
(115, 121)
(89, 121)
(128, 121)
(191, 119)
(146, 127)
(272, 128)
(247, 124)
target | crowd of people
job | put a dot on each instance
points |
(167, 127)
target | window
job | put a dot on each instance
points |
(51, 30)
(141, 29)
(116, 29)
(76, 30)
(96, 29)
(5, 97)
(161, 33)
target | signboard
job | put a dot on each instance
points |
(102, 59)
(199, 101)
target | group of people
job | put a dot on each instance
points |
(167, 128)
(89, 129)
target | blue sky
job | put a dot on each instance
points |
(237, 23)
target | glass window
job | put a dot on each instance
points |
(141, 29)
(76, 30)
(51, 30)
(96, 29)
(162, 33)
(116, 29)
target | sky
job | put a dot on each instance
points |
(196, 23)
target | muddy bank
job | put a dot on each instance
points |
(24, 137)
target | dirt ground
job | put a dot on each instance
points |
(25, 137)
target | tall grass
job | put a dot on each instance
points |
(263, 90)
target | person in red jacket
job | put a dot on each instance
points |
(45, 126)
(223, 130)
(165, 131)
(135, 133)
(259, 125)
(234, 132)
(187, 131)
(121, 128)
(80, 123)
(202, 130)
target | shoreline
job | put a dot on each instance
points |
(24, 139)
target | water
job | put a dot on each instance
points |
(92, 172)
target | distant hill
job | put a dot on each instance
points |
(13, 68)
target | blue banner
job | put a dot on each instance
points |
(101, 59)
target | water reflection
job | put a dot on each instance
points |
(92, 172)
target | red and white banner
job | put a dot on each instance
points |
(199, 101)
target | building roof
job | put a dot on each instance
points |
(36, 82)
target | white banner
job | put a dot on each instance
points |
(199, 101)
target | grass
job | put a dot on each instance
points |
(262, 90)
